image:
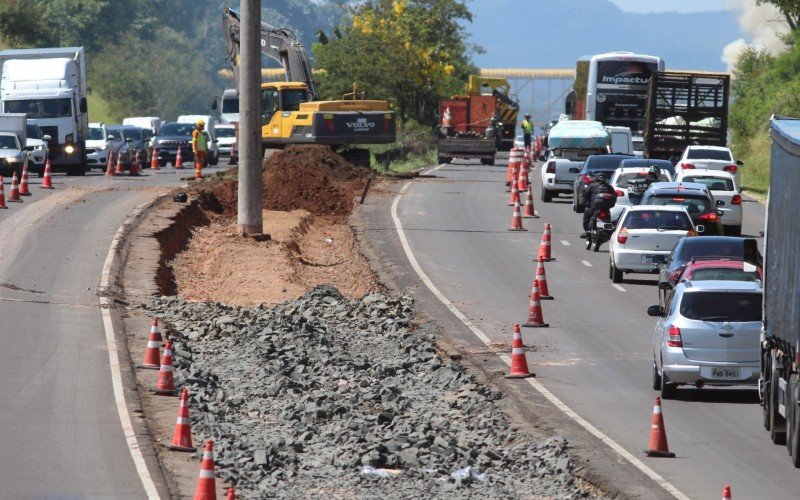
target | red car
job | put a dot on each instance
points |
(720, 269)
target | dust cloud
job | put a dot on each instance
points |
(763, 24)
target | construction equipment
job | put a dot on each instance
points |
(292, 112)
(507, 106)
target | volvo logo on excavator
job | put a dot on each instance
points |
(361, 125)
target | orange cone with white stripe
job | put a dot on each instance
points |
(47, 180)
(110, 163)
(658, 435)
(514, 162)
(120, 169)
(206, 483)
(2, 194)
(153, 351)
(544, 246)
(535, 316)
(516, 219)
(154, 159)
(514, 196)
(726, 492)
(541, 281)
(530, 211)
(23, 183)
(13, 195)
(182, 437)
(166, 385)
(136, 168)
(179, 158)
(519, 363)
(522, 179)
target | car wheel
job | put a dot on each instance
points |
(656, 377)
(574, 203)
(547, 196)
(616, 274)
(776, 421)
(668, 390)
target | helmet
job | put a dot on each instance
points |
(653, 172)
(201, 122)
(601, 177)
(527, 115)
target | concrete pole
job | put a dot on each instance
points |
(250, 189)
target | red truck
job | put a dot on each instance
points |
(468, 129)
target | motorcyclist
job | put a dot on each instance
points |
(637, 187)
(599, 185)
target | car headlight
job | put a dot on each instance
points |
(69, 149)
(12, 159)
(102, 147)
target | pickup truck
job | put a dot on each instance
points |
(569, 143)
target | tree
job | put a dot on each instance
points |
(789, 8)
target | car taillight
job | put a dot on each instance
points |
(709, 217)
(674, 337)
(687, 166)
(731, 168)
(551, 167)
(736, 200)
(602, 214)
(675, 276)
(622, 236)
(586, 179)
(678, 199)
(619, 192)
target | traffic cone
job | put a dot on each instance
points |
(153, 350)
(119, 169)
(182, 437)
(166, 385)
(514, 197)
(541, 281)
(2, 194)
(206, 484)
(519, 362)
(234, 159)
(231, 495)
(14, 194)
(522, 181)
(47, 181)
(530, 211)
(110, 163)
(179, 158)
(535, 316)
(726, 492)
(23, 183)
(544, 246)
(136, 168)
(516, 219)
(154, 159)
(658, 435)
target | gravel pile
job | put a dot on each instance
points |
(325, 396)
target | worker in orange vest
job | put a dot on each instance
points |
(199, 147)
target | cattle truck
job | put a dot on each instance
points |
(780, 339)
(49, 85)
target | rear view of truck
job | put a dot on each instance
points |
(780, 353)
(468, 129)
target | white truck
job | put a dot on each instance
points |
(13, 139)
(213, 150)
(228, 106)
(49, 85)
(569, 143)
(151, 123)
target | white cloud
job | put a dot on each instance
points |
(762, 24)
(647, 6)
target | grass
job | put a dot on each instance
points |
(755, 173)
(410, 164)
(98, 110)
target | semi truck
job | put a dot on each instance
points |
(779, 389)
(49, 85)
(685, 109)
(13, 138)
(468, 129)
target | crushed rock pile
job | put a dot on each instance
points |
(325, 396)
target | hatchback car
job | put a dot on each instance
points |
(731, 247)
(593, 165)
(619, 180)
(726, 193)
(644, 236)
(708, 334)
(695, 198)
(712, 158)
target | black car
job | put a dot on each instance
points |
(695, 198)
(593, 165)
(719, 247)
(172, 135)
(663, 165)
(127, 141)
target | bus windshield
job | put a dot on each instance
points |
(620, 92)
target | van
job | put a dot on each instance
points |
(152, 123)
(621, 140)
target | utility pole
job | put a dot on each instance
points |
(250, 189)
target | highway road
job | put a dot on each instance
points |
(61, 433)
(596, 357)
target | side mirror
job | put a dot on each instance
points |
(740, 163)
(720, 203)
(83, 106)
(701, 228)
(664, 285)
(110, 138)
(47, 138)
(656, 311)
(214, 104)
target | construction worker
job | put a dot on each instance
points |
(199, 148)
(527, 131)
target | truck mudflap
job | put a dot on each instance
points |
(348, 127)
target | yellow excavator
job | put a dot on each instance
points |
(292, 112)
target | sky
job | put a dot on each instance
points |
(646, 6)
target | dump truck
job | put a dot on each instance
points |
(685, 109)
(779, 389)
(468, 128)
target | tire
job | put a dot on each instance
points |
(574, 204)
(589, 241)
(76, 171)
(735, 230)
(442, 160)
(616, 274)
(656, 377)
(487, 161)
(668, 390)
(547, 196)
(776, 421)
(597, 242)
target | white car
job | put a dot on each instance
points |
(619, 180)
(226, 136)
(726, 192)
(97, 145)
(645, 236)
(638, 146)
(37, 140)
(711, 158)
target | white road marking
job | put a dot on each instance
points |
(672, 490)
(565, 243)
(618, 287)
(586, 263)
(113, 360)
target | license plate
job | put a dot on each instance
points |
(648, 259)
(725, 373)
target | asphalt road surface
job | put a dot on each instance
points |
(596, 356)
(60, 432)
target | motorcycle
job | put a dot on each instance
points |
(601, 228)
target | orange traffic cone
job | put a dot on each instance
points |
(231, 495)
(514, 196)
(14, 194)
(514, 160)
(110, 163)
(544, 247)
(206, 484)
(182, 437)
(234, 159)
(658, 435)
(519, 363)
(179, 158)
(2, 194)
(541, 281)
(522, 179)
(153, 351)
(23, 183)
(516, 219)
(535, 316)
(47, 181)
(166, 385)
(136, 168)
(726, 492)
(530, 211)
(120, 169)
(154, 159)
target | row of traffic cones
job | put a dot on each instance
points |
(20, 187)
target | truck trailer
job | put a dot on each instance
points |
(468, 129)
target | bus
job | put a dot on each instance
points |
(612, 88)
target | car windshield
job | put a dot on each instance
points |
(95, 134)
(712, 183)
(41, 108)
(118, 133)
(645, 163)
(176, 129)
(602, 162)
(709, 154)
(692, 204)
(657, 219)
(8, 142)
(707, 247)
(134, 134)
(225, 132)
(230, 104)
(723, 273)
(622, 180)
(638, 145)
(716, 306)
(34, 132)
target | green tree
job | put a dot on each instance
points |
(790, 10)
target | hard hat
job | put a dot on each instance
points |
(527, 115)
(201, 122)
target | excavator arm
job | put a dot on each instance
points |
(279, 44)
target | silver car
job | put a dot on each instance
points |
(708, 334)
